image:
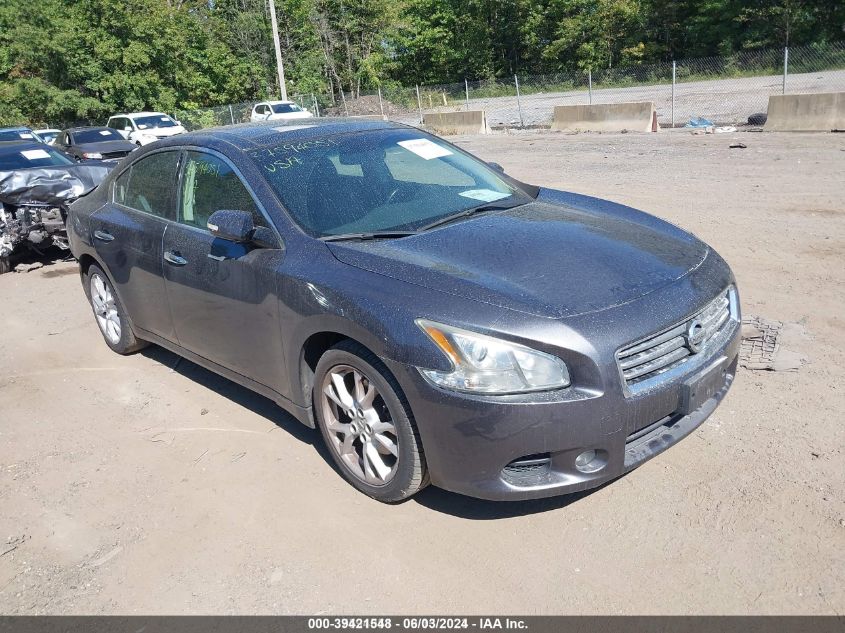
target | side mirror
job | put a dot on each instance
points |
(232, 225)
(497, 167)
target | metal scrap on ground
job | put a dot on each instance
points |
(761, 347)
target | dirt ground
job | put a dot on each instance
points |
(146, 485)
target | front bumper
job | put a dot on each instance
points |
(525, 447)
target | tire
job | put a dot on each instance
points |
(5, 265)
(351, 439)
(109, 313)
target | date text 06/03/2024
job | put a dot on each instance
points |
(417, 623)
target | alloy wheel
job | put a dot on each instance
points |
(105, 309)
(359, 425)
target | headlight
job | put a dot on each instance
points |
(483, 364)
(92, 155)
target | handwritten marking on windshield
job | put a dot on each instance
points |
(287, 155)
(283, 163)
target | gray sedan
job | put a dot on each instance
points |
(439, 321)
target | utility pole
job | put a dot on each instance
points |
(280, 67)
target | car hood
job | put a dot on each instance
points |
(56, 185)
(547, 259)
(106, 146)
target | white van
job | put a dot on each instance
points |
(143, 128)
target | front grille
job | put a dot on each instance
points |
(108, 155)
(671, 348)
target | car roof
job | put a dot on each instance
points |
(254, 135)
(47, 129)
(15, 128)
(278, 103)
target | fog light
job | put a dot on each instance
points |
(589, 462)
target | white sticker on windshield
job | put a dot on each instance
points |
(142, 126)
(165, 119)
(105, 132)
(485, 195)
(24, 134)
(34, 154)
(424, 148)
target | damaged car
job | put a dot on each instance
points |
(436, 319)
(94, 143)
(37, 184)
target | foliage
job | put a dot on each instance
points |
(64, 61)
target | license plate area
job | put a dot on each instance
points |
(698, 389)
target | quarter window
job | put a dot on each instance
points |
(120, 185)
(150, 187)
(208, 185)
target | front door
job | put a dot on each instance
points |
(128, 232)
(222, 295)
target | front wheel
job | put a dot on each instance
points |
(367, 424)
(109, 313)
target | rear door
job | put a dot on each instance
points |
(128, 232)
(222, 295)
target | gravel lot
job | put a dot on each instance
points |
(147, 485)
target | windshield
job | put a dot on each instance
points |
(282, 108)
(27, 157)
(96, 136)
(383, 180)
(153, 121)
(18, 134)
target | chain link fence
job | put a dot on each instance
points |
(723, 90)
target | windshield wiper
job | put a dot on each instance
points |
(493, 206)
(378, 235)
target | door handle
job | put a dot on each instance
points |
(175, 258)
(103, 236)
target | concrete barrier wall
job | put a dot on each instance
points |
(606, 117)
(820, 112)
(467, 122)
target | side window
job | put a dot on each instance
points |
(151, 187)
(208, 185)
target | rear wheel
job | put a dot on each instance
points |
(367, 425)
(109, 313)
